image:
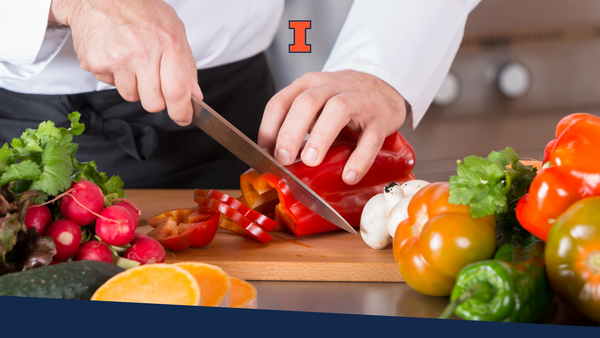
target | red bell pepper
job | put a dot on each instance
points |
(179, 229)
(574, 173)
(394, 162)
(232, 217)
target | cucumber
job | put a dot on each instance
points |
(69, 280)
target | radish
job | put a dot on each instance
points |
(82, 202)
(38, 217)
(66, 234)
(94, 251)
(115, 225)
(135, 212)
(145, 250)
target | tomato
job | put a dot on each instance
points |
(573, 257)
(438, 239)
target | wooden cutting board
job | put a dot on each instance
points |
(332, 256)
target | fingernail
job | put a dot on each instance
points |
(350, 177)
(310, 156)
(283, 156)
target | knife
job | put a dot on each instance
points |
(246, 150)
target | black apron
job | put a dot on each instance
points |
(149, 150)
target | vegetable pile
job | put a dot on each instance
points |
(545, 239)
(54, 208)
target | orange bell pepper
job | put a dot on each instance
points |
(438, 239)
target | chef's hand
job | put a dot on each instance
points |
(139, 46)
(323, 103)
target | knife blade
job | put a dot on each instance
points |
(246, 150)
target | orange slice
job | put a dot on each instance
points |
(243, 294)
(153, 283)
(215, 283)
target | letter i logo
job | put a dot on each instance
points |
(299, 27)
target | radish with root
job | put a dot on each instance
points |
(82, 202)
(115, 225)
(38, 217)
(145, 250)
(131, 207)
(94, 251)
(66, 234)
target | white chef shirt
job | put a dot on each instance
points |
(410, 44)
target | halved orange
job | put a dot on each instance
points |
(215, 283)
(153, 283)
(243, 294)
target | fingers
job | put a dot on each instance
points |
(360, 161)
(275, 113)
(126, 84)
(336, 114)
(301, 116)
(176, 83)
(194, 71)
(149, 88)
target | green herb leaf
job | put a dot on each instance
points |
(490, 185)
(26, 170)
(5, 157)
(76, 127)
(56, 173)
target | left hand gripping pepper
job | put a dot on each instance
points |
(574, 173)
(438, 239)
(394, 162)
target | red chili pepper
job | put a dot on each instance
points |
(180, 229)
(574, 173)
(394, 162)
(245, 226)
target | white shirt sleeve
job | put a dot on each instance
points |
(410, 44)
(27, 47)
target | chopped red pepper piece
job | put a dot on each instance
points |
(246, 227)
(263, 221)
(394, 162)
(180, 229)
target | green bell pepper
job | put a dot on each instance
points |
(512, 287)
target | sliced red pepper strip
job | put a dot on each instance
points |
(249, 228)
(180, 229)
(263, 221)
(394, 162)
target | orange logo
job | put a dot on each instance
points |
(299, 27)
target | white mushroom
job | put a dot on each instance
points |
(383, 212)
(399, 211)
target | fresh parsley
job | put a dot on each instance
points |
(43, 159)
(492, 185)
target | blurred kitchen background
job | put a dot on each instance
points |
(522, 66)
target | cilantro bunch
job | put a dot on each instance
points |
(44, 160)
(492, 185)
